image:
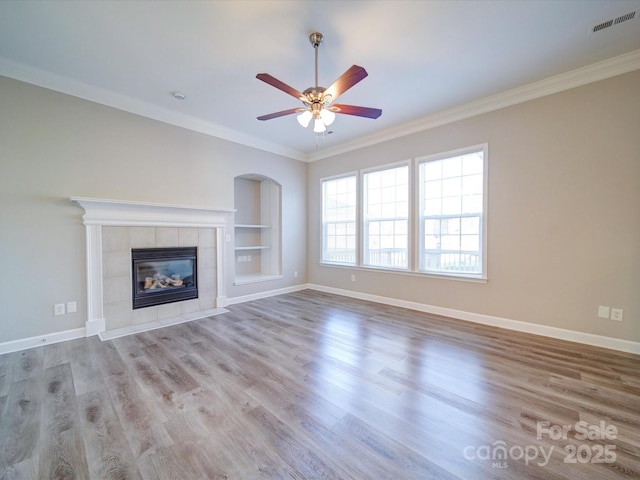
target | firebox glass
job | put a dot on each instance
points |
(159, 275)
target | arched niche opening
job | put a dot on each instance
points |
(257, 232)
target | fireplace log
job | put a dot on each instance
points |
(162, 281)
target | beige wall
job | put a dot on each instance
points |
(563, 215)
(53, 146)
(564, 189)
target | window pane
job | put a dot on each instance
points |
(432, 227)
(450, 242)
(451, 187)
(433, 207)
(387, 210)
(339, 220)
(433, 189)
(452, 202)
(470, 242)
(451, 206)
(472, 203)
(472, 163)
(452, 167)
(470, 225)
(385, 215)
(451, 225)
(472, 184)
(432, 170)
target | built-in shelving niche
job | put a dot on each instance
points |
(257, 232)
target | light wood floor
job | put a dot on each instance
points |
(310, 385)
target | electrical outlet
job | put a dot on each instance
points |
(353, 278)
(58, 309)
(72, 307)
(616, 314)
(295, 274)
(603, 312)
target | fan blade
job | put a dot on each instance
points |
(345, 82)
(281, 114)
(357, 111)
(274, 82)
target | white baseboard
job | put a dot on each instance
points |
(39, 341)
(519, 326)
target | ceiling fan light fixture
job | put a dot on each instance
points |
(304, 118)
(327, 116)
(318, 126)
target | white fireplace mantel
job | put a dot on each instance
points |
(105, 212)
(100, 211)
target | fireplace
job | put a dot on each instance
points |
(163, 275)
(114, 227)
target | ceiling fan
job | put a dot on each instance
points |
(318, 100)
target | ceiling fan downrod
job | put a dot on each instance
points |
(316, 39)
(315, 95)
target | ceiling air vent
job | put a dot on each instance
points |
(625, 17)
(612, 22)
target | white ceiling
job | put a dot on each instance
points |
(423, 57)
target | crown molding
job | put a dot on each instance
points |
(608, 68)
(611, 67)
(62, 84)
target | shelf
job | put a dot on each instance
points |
(253, 226)
(253, 247)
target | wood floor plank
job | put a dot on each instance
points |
(62, 453)
(25, 470)
(293, 452)
(312, 385)
(166, 464)
(153, 383)
(85, 357)
(20, 425)
(180, 380)
(27, 364)
(108, 456)
(141, 424)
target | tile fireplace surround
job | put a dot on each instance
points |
(114, 227)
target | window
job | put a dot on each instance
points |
(451, 197)
(386, 218)
(424, 216)
(339, 220)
